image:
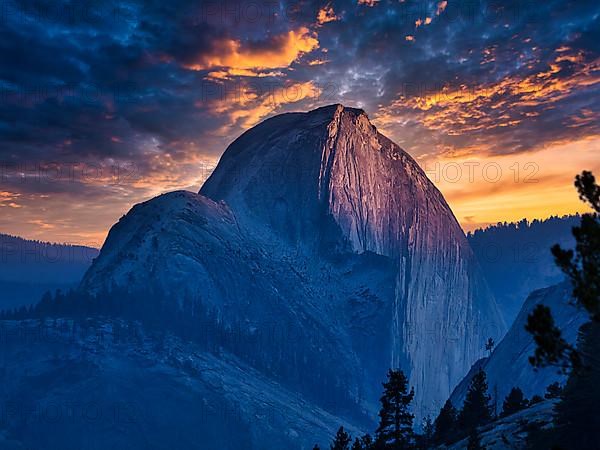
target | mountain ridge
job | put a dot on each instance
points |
(517, 260)
(55, 265)
(321, 221)
(508, 365)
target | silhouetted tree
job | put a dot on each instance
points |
(395, 429)
(489, 345)
(576, 419)
(515, 401)
(425, 439)
(576, 423)
(553, 391)
(582, 267)
(341, 441)
(551, 348)
(357, 445)
(476, 410)
(445, 424)
(367, 442)
(535, 400)
(474, 442)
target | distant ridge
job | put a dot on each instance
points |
(516, 258)
(28, 268)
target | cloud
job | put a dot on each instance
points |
(420, 22)
(517, 103)
(256, 105)
(441, 6)
(326, 14)
(9, 199)
(278, 52)
(39, 223)
(317, 62)
(115, 87)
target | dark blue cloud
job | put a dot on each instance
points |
(100, 81)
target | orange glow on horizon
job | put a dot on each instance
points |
(488, 189)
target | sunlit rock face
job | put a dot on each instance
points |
(297, 173)
(317, 221)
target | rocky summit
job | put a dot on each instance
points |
(316, 227)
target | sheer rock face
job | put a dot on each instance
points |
(318, 219)
(332, 163)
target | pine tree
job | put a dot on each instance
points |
(489, 345)
(553, 391)
(395, 429)
(425, 440)
(367, 442)
(515, 401)
(476, 410)
(357, 445)
(577, 422)
(341, 441)
(535, 400)
(551, 348)
(474, 442)
(582, 267)
(445, 426)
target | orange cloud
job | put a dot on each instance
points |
(250, 106)
(420, 22)
(369, 3)
(318, 62)
(228, 73)
(586, 117)
(441, 7)
(466, 109)
(458, 126)
(41, 224)
(262, 106)
(282, 51)
(8, 200)
(326, 14)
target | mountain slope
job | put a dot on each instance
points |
(516, 258)
(56, 266)
(106, 384)
(328, 179)
(251, 285)
(510, 433)
(508, 365)
(316, 222)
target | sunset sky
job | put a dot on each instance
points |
(105, 104)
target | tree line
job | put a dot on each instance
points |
(293, 362)
(396, 428)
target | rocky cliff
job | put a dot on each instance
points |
(318, 221)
